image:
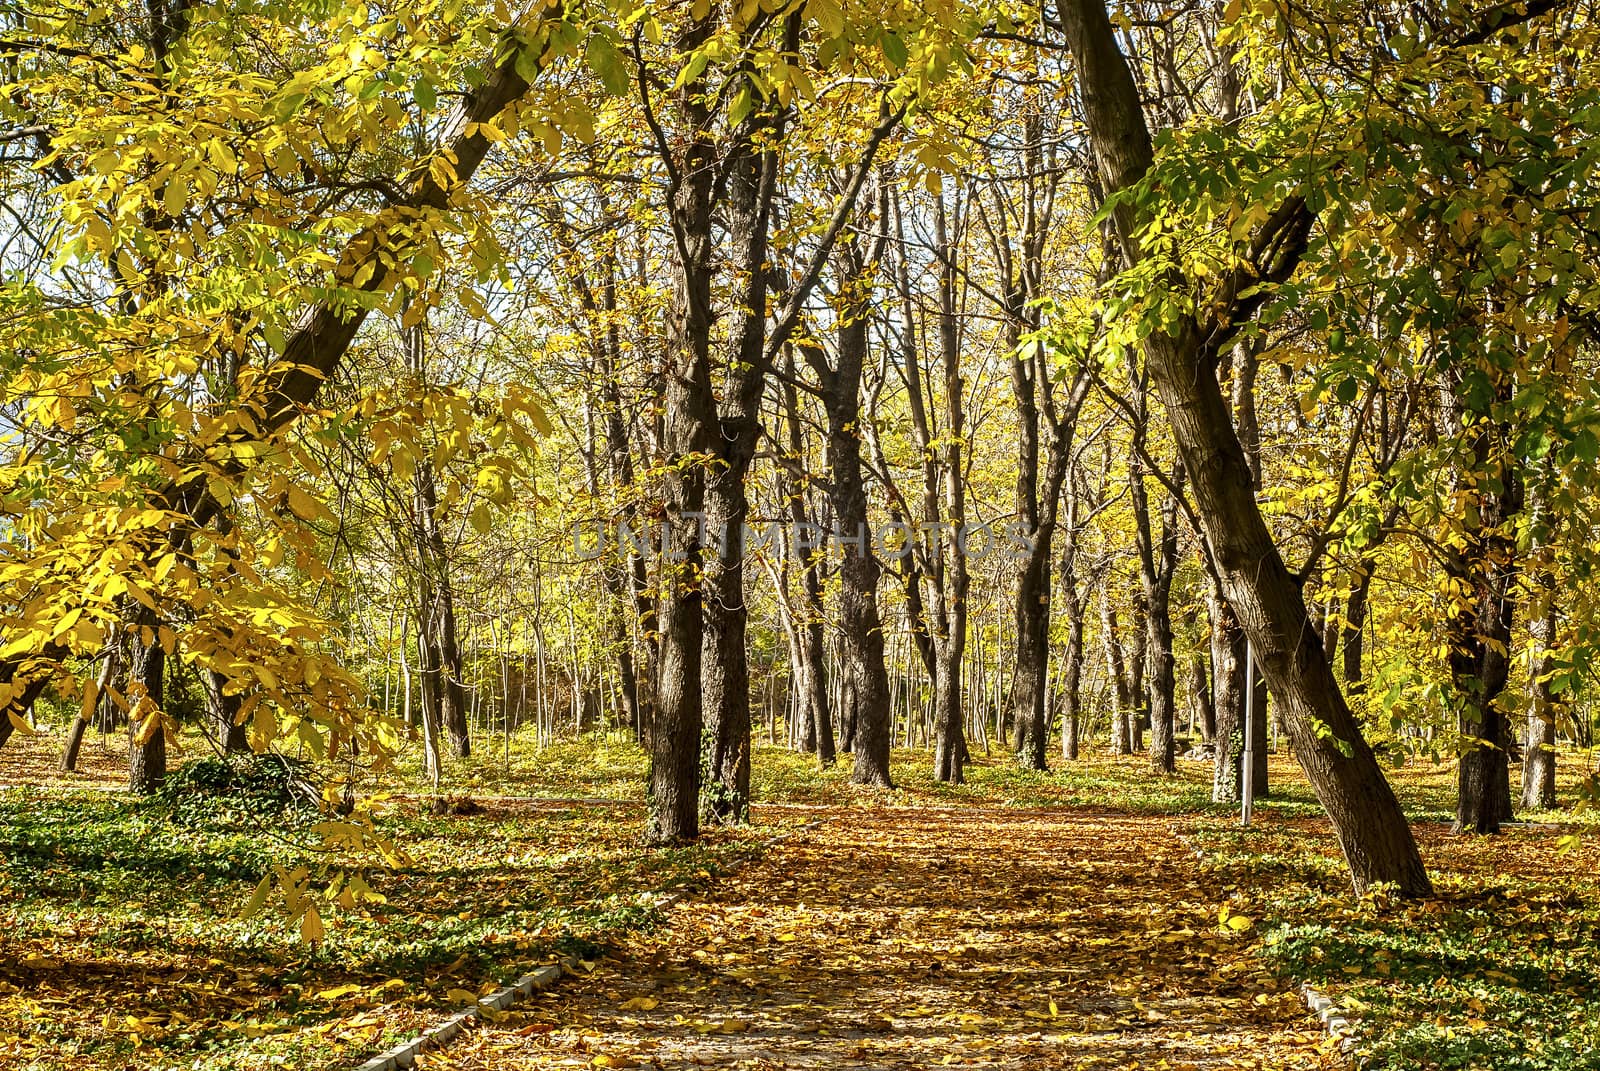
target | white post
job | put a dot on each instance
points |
(1247, 773)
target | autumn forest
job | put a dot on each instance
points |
(799, 534)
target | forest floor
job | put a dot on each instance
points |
(1092, 916)
(972, 937)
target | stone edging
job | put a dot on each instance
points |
(1338, 1025)
(1333, 1020)
(405, 1054)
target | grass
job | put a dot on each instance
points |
(122, 941)
(1501, 970)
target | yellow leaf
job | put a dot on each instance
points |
(258, 899)
(176, 196)
(338, 991)
(148, 727)
(640, 1004)
(311, 930)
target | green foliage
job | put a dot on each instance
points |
(1502, 971)
(94, 889)
(232, 789)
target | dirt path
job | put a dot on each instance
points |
(999, 939)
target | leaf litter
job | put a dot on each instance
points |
(984, 938)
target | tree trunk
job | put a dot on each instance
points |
(688, 423)
(866, 722)
(1480, 648)
(436, 617)
(1372, 830)
(102, 699)
(1200, 695)
(725, 670)
(628, 564)
(1122, 713)
(224, 710)
(1158, 563)
(1355, 619)
(1539, 745)
(847, 712)
(813, 647)
(1072, 604)
(752, 175)
(950, 750)
(861, 628)
(147, 753)
(1228, 679)
(1479, 629)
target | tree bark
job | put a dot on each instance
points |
(752, 175)
(1246, 365)
(860, 625)
(1539, 743)
(865, 720)
(688, 423)
(223, 707)
(1479, 634)
(1372, 830)
(1158, 562)
(1122, 713)
(1355, 620)
(813, 649)
(1074, 610)
(147, 752)
(1200, 695)
(1227, 676)
(950, 638)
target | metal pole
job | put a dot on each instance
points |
(1248, 763)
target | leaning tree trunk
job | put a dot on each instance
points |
(1372, 830)
(96, 708)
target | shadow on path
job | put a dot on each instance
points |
(1002, 939)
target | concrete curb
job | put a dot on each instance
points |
(1333, 1019)
(405, 1054)
(1338, 1025)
